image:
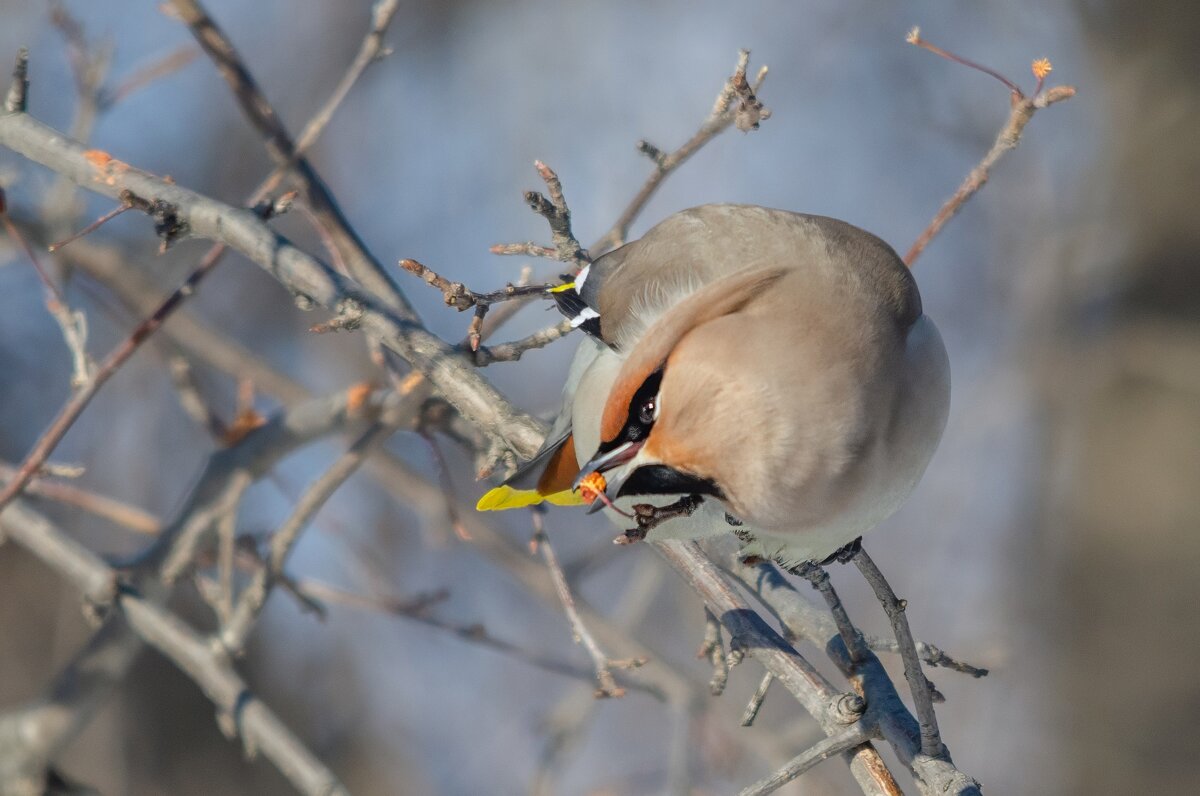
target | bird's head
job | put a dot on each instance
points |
(672, 419)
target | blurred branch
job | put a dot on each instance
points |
(311, 280)
(288, 155)
(260, 729)
(254, 598)
(607, 685)
(120, 354)
(114, 511)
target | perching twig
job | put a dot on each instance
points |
(819, 578)
(832, 709)
(1022, 111)
(922, 690)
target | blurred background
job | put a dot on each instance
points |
(1052, 540)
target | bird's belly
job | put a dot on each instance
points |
(870, 490)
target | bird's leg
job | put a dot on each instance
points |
(922, 690)
(650, 517)
(815, 574)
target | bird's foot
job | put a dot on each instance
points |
(844, 554)
(650, 517)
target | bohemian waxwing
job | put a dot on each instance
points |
(776, 364)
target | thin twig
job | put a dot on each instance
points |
(123, 514)
(512, 351)
(145, 75)
(79, 401)
(746, 113)
(1022, 111)
(922, 691)
(90, 228)
(235, 631)
(607, 685)
(756, 700)
(824, 749)
(72, 323)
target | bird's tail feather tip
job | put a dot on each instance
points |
(503, 498)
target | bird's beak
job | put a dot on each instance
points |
(607, 461)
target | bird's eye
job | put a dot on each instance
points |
(647, 412)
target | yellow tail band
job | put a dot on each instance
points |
(503, 498)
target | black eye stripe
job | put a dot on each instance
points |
(637, 427)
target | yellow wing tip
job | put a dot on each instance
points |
(561, 288)
(503, 498)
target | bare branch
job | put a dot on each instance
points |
(607, 685)
(824, 749)
(1023, 109)
(287, 154)
(922, 689)
(18, 91)
(737, 104)
(235, 631)
(309, 278)
(259, 728)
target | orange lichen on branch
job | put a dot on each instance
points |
(105, 163)
(356, 397)
(246, 421)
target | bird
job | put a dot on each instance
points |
(747, 370)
